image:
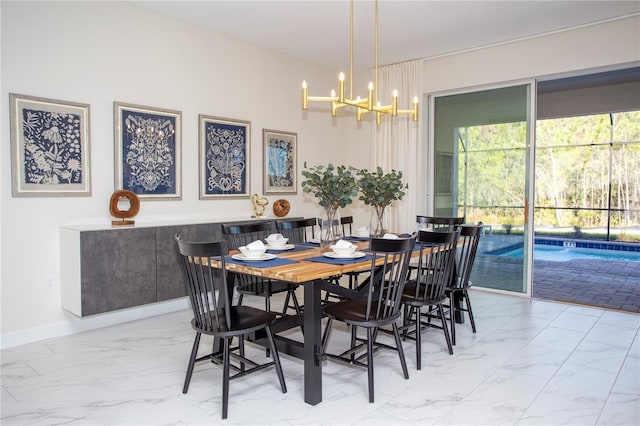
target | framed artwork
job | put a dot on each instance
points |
(49, 147)
(279, 166)
(148, 148)
(224, 157)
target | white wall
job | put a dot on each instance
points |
(605, 46)
(101, 52)
(609, 45)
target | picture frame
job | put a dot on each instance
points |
(50, 147)
(224, 157)
(280, 171)
(148, 147)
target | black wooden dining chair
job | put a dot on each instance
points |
(213, 315)
(238, 235)
(347, 225)
(437, 224)
(347, 229)
(297, 230)
(435, 272)
(457, 291)
(380, 308)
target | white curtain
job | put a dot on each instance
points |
(396, 141)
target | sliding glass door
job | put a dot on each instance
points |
(482, 170)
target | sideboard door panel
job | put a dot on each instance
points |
(170, 281)
(118, 269)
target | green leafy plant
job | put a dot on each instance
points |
(334, 187)
(380, 189)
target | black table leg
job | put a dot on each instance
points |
(312, 342)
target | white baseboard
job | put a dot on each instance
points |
(76, 325)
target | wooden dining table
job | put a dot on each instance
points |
(313, 276)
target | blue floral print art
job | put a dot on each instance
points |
(226, 159)
(52, 147)
(149, 153)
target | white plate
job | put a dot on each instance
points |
(284, 247)
(356, 255)
(266, 256)
(314, 240)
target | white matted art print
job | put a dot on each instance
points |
(148, 149)
(225, 148)
(49, 147)
(279, 168)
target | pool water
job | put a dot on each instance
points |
(562, 254)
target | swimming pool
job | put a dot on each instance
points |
(563, 254)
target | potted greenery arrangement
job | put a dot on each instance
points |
(334, 187)
(379, 190)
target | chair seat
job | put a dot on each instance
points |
(458, 287)
(354, 312)
(409, 296)
(244, 319)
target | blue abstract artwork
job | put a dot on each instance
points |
(149, 153)
(52, 147)
(279, 162)
(226, 158)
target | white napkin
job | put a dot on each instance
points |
(343, 244)
(256, 245)
(275, 237)
(390, 236)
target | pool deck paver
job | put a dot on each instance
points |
(601, 283)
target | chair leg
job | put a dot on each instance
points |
(418, 340)
(354, 334)
(370, 339)
(468, 302)
(241, 347)
(296, 303)
(225, 378)
(452, 317)
(192, 361)
(445, 328)
(276, 358)
(327, 333)
(267, 308)
(403, 361)
(285, 308)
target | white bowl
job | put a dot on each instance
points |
(279, 243)
(344, 251)
(252, 254)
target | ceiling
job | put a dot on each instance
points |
(318, 31)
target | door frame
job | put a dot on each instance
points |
(529, 195)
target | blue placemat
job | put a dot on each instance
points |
(298, 247)
(309, 244)
(277, 261)
(325, 259)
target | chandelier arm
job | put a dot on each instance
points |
(368, 104)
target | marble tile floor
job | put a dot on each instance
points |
(531, 362)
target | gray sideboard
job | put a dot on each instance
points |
(104, 269)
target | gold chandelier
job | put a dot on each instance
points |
(371, 102)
